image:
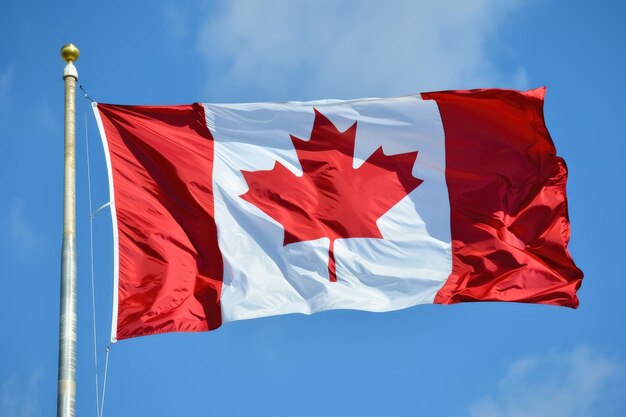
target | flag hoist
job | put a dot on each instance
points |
(66, 400)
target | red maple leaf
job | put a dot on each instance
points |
(331, 199)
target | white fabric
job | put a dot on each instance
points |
(262, 277)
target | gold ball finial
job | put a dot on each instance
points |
(70, 52)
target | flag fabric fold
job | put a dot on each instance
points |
(236, 211)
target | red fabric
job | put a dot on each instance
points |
(508, 207)
(170, 272)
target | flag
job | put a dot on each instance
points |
(235, 211)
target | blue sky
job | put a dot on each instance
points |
(487, 360)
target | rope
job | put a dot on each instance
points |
(92, 215)
(91, 261)
(102, 207)
(85, 94)
(104, 383)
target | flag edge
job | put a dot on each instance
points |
(114, 225)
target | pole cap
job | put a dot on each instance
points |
(70, 53)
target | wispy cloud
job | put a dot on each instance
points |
(183, 23)
(326, 47)
(176, 21)
(572, 384)
(19, 398)
(6, 78)
(23, 236)
(45, 115)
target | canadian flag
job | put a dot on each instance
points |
(235, 211)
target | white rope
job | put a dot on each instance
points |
(91, 261)
(104, 383)
(92, 215)
(102, 207)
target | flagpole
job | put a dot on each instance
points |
(66, 397)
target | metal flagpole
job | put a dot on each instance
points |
(66, 399)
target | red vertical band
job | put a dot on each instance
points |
(508, 207)
(170, 265)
